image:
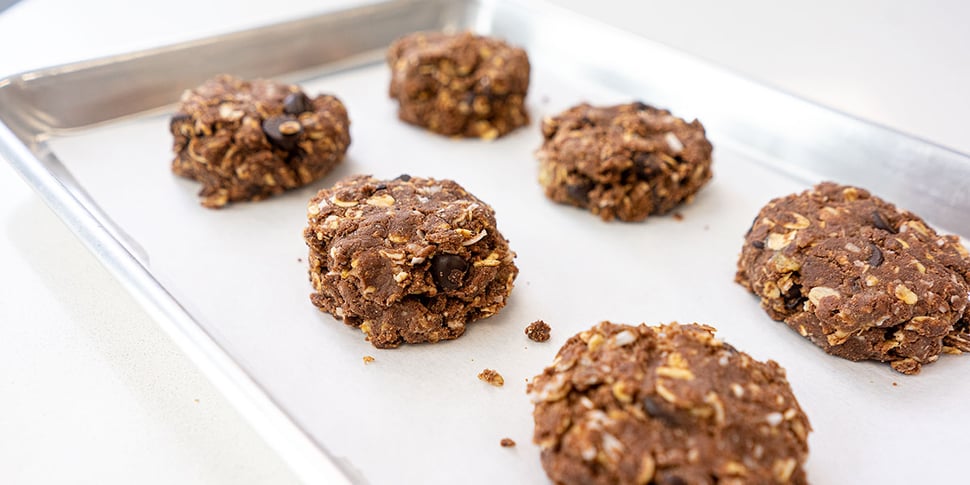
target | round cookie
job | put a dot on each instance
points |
(859, 277)
(406, 260)
(459, 84)
(665, 405)
(248, 140)
(624, 162)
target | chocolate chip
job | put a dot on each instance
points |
(655, 409)
(579, 192)
(876, 258)
(380, 187)
(672, 480)
(641, 106)
(296, 103)
(793, 297)
(880, 222)
(646, 163)
(758, 244)
(403, 177)
(283, 131)
(448, 271)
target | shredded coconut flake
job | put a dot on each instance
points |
(624, 338)
(478, 237)
(774, 419)
(673, 142)
(612, 446)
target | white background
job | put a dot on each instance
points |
(92, 392)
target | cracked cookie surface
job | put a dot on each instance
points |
(623, 162)
(858, 277)
(249, 140)
(459, 84)
(670, 404)
(407, 260)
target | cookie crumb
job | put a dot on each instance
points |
(299, 260)
(895, 383)
(678, 216)
(538, 331)
(507, 442)
(492, 377)
(368, 359)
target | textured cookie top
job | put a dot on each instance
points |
(859, 276)
(668, 404)
(259, 111)
(409, 259)
(459, 84)
(248, 139)
(625, 161)
(462, 62)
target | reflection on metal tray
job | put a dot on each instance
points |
(92, 139)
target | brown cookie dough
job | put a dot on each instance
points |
(459, 84)
(406, 260)
(859, 277)
(665, 405)
(248, 140)
(624, 162)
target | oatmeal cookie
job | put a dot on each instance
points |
(859, 277)
(406, 260)
(249, 140)
(623, 162)
(671, 404)
(459, 84)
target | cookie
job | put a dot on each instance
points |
(623, 162)
(248, 140)
(665, 405)
(406, 260)
(859, 277)
(459, 84)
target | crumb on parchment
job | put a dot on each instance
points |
(492, 377)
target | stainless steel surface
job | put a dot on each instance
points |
(766, 143)
(5, 4)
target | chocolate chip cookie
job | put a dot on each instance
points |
(665, 405)
(859, 277)
(406, 260)
(248, 140)
(459, 84)
(623, 162)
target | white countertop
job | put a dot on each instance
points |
(91, 390)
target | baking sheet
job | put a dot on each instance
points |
(418, 414)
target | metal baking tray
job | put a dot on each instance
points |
(230, 286)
